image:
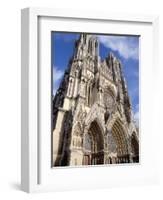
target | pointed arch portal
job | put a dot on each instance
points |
(93, 145)
(120, 139)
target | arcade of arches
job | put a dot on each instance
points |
(96, 152)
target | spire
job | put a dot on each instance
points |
(87, 45)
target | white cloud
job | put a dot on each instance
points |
(126, 46)
(57, 76)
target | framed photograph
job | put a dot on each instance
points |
(89, 87)
(92, 110)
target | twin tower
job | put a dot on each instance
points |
(92, 113)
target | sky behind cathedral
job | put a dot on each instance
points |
(125, 48)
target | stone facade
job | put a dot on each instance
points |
(92, 114)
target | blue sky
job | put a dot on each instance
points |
(126, 48)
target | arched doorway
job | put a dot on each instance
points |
(93, 146)
(120, 139)
(135, 148)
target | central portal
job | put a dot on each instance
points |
(93, 146)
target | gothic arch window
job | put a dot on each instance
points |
(94, 93)
(90, 47)
(89, 94)
(96, 44)
(84, 36)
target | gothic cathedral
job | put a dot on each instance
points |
(92, 114)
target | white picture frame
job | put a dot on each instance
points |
(36, 173)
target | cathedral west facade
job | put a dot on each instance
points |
(92, 114)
